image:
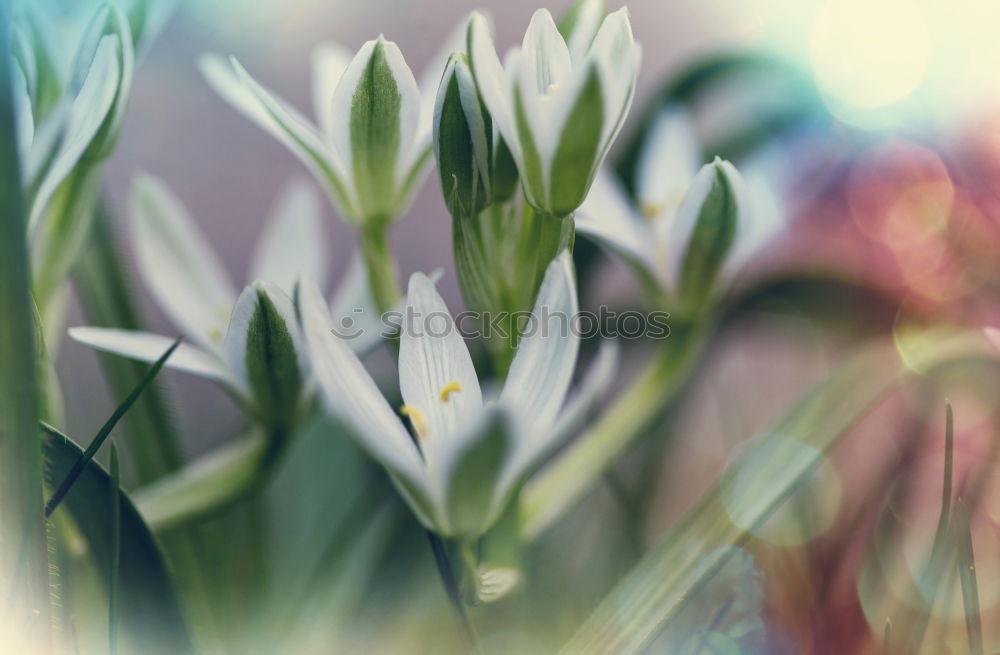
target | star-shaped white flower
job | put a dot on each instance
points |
(191, 286)
(370, 143)
(467, 454)
(672, 186)
(559, 105)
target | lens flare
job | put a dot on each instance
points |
(868, 55)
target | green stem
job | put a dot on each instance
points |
(24, 562)
(555, 489)
(380, 266)
(452, 589)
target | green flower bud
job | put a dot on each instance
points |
(705, 230)
(463, 141)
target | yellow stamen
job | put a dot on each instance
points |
(416, 419)
(552, 89)
(215, 334)
(650, 211)
(449, 389)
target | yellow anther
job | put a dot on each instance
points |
(416, 419)
(215, 334)
(449, 389)
(650, 211)
(552, 89)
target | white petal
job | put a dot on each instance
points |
(293, 242)
(546, 356)
(762, 211)
(431, 77)
(588, 20)
(234, 347)
(329, 61)
(617, 57)
(607, 216)
(669, 160)
(148, 347)
(534, 447)
(436, 374)
(547, 82)
(84, 119)
(545, 58)
(493, 81)
(180, 269)
(351, 393)
(231, 81)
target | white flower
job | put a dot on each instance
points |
(671, 193)
(467, 455)
(85, 121)
(558, 105)
(191, 286)
(370, 144)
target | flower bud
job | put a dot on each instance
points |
(109, 24)
(706, 227)
(463, 141)
(262, 348)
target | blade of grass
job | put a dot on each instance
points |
(107, 301)
(673, 572)
(967, 578)
(149, 615)
(114, 498)
(106, 429)
(23, 551)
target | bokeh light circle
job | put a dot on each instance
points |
(868, 55)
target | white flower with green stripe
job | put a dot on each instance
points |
(465, 452)
(559, 102)
(247, 341)
(370, 144)
(690, 225)
(63, 123)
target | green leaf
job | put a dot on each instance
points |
(575, 161)
(473, 479)
(966, 561)
(149, 616)
(669, 575)
(23, 556)
(207, 485)
(375, 135)
(114, 502)
(64, 487)
(65, 233)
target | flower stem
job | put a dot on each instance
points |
(451, 588)
(583, 464)
(380, 266)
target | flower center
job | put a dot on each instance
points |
(416, 420)
(450, 388)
